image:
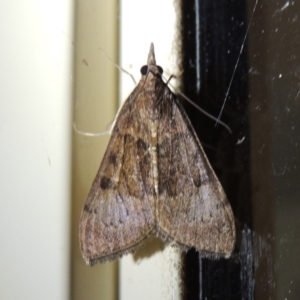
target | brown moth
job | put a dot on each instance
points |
(155, 179)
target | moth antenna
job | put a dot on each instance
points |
(109, 131)
(198, 107)
(117, 66)
(112, 124)
(84, 133)
(170, 78)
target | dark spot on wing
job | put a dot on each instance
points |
(105, 183)
(197, 181)
(113, 159)
(141, 146)
(86, 208)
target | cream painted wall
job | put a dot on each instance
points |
(35, 152)
(95, 105)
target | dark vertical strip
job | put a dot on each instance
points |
(258, 165)
(213, 34)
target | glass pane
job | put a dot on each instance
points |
(250, 49)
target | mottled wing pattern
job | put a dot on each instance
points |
(119, 211)
(192, 209)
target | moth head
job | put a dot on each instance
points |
(153, 69)
(151, 66)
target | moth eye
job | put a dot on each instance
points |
(144, 70)
(160, 69)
